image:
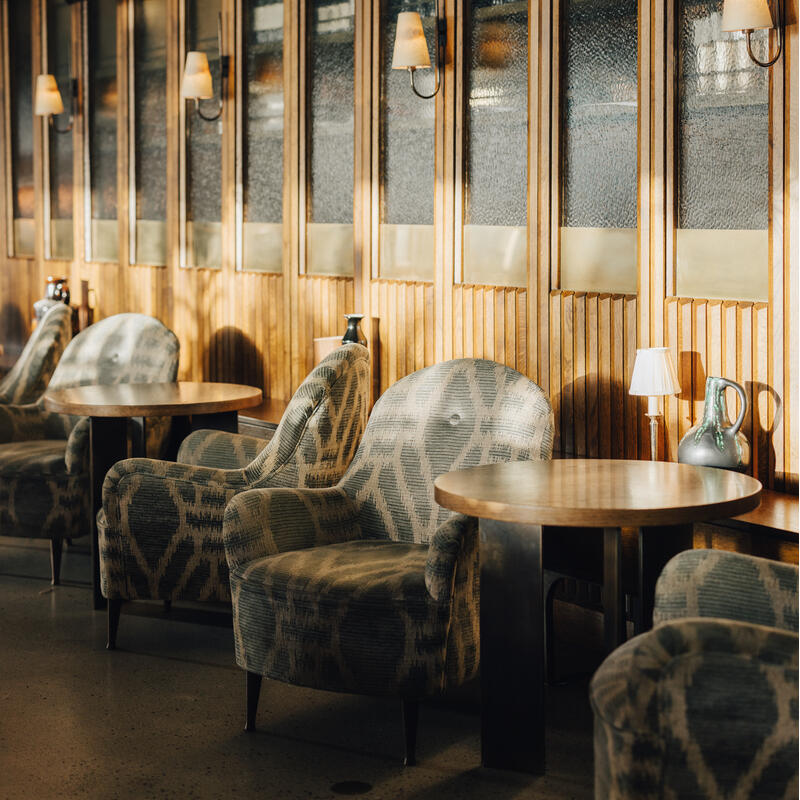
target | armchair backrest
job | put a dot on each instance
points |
(321, 427)
(124, 348)
(453, 415)
(29, 376)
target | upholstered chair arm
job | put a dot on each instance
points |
(716, 583)
(263, 522)
(451, 540)
(219, 449)
(77, 452)
(695, 708)
(28, 422)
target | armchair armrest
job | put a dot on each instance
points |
(716, 583)
(263, 522)
(451, 539)
(220, 449)
(696, 707)
(29, 422)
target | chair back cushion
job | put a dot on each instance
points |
(453, 415)
(321, 427)
(125, 348)
(29, 376)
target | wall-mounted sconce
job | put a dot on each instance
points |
(47, 101)
(750, 15)
(197, 84)
(411, 47)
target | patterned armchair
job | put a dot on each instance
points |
(44, 457)
(161, 525)
(705, 704)
(370, 587)
(29, 376)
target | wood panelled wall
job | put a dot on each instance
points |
(579, 347)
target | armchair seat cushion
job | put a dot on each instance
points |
(38, 497)
(352, 617)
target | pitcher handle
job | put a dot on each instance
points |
(743, 397)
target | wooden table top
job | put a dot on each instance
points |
(778, 511)
(597, 493)
(152, 399)
(270, 410)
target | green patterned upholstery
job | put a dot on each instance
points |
(706, 704)
(370, 586)
(44, 457)
(28, 378)
(161, 525)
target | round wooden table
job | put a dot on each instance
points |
(109, 407)
(514, 502)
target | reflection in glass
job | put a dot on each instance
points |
(21, 118)
(203, 148)
(598, 145)
(60, 144)
(263, 137)
(149, 57)
(331, 67)
(723, 159)
(103, 130)
(495, 208)
(407, 155)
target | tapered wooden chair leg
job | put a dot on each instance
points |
(114, 610)
(253, 691)
(56, 548)
(410, 720)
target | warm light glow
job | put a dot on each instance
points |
(654, 373)
(743, 15)
(197, 77)
(410, 45)
(47, 99)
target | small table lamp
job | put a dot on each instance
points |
(653, 377)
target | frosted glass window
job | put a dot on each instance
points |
(104, 231)
(21, 119)
(598, 83)
(262, 246)
(60, 144)
(407, 154)
(149, 205)
(721, 246)
(331, 68)
(496, 206)
(203, 147)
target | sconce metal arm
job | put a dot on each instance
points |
(73, 100)
(780, 41)
(224, 68)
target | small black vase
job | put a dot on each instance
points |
(353, 332)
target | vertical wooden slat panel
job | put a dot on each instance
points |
(567, 374)
(579, 382)
(604, 388)
(554, 377)
(617, 377)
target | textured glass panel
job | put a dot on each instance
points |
(150, 137)
(331, 69)
(407, 154)
(103, 129)
(203, 146)
(21, 116)
(723, 159)
(263, 137)
(497, 139)
(58, 63)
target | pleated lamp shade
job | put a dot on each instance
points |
(47, 98)
(654, 373)
(410, 45)
(743, 15)
(196, 77)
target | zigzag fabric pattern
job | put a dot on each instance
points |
(28, 378)
(44, 457)
(161, 525)
(371, 587)
(706, 704)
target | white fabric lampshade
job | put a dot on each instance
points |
(654, 373)
(197, 77)
(743, 15)
(410, 45)
(47, 99)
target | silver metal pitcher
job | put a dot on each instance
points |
(714, 442)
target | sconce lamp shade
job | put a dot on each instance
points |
(744, 15)
(653, 373)
(410, 45)
(47, 99)
(196, 77)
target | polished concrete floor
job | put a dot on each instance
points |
(162, 716)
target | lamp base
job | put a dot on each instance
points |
(653, 436)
